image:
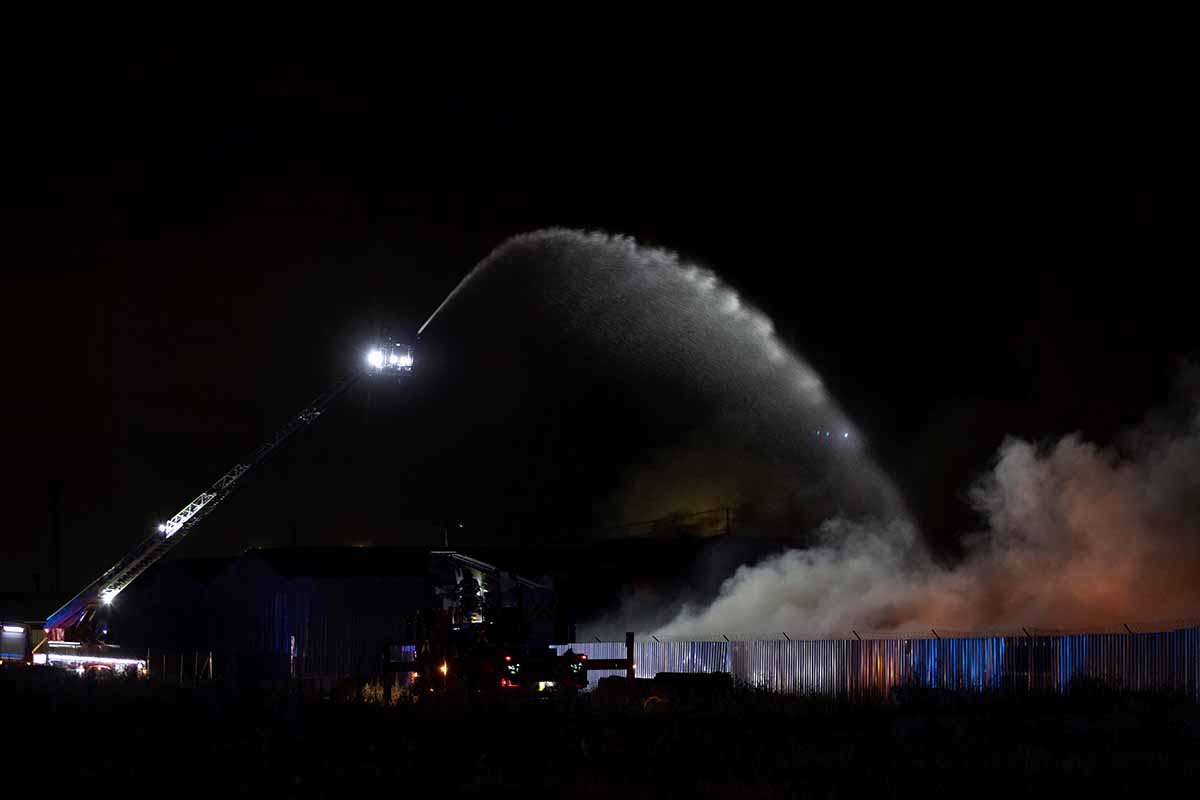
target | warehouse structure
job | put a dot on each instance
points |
(328, 612)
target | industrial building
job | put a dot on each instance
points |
(328, 612)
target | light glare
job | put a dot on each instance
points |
(58, 658)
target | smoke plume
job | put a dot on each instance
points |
(1076, 534)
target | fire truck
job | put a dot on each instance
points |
(490, 634)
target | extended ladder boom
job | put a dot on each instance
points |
(111, 583)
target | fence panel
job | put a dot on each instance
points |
(872, 668)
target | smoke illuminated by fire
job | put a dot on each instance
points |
(1074, 534)
(1077, 534)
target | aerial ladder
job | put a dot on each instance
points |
(77, 622)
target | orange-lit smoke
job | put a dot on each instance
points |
(1077, 535)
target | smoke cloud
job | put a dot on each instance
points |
(1076, 535)
(1073, 533)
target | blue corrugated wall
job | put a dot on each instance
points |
(867, 668)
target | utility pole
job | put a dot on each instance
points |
(56, 491)
(446, 534)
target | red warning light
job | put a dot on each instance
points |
(508, 658)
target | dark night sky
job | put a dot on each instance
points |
(196, 244)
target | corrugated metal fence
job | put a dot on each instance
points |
(868, 668)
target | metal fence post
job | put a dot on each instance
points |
(1029, 660)
(631, 665)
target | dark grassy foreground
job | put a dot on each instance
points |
(118, 737)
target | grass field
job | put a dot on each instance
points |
(102, 738)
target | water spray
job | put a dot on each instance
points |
(652, 313)
(449, 297)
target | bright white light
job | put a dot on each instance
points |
(394, 359)
(39, 658)
(375, 359)
(58, 658)
(107, 596)
(13, 629)
(406, 361)
(544, 685)
(845, 435)
(162, 527)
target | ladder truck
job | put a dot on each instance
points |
(75, 633)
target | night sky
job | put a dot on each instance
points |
(197, 244)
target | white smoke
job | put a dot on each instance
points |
(1077, 535)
